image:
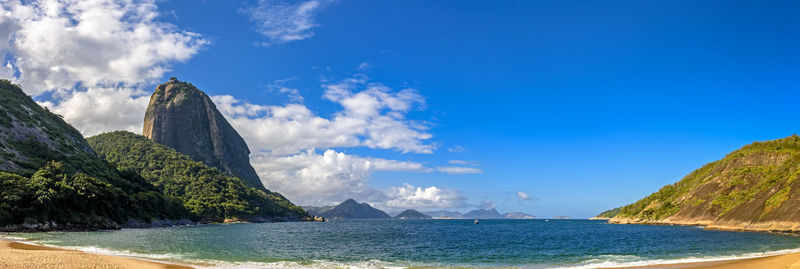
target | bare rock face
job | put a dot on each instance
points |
(184, 118)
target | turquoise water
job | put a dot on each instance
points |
(437, 243)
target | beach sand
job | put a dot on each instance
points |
(791, 260)
(20, 255)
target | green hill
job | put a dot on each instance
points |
(753, 188)
(207, 192)
(51, 178)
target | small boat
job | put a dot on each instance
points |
(546, 220)
(476, 221)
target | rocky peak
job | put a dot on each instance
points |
(184, 118)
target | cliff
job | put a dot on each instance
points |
(184, 118)
(754, 188)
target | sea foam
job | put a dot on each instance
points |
(618, 261)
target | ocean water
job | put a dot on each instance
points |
(424, 243)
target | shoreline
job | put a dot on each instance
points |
(21, 254)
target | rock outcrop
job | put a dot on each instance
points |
(184, 118)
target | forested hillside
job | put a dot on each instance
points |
(207, 192)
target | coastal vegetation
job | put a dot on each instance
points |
(752, 188)
(207, 192)
(79, 201)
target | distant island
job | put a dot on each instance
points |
(349, 209)
(412, 214)
(754, 188)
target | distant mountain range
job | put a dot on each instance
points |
(479, 214)
(350, 209)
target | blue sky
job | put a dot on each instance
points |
(584, 106)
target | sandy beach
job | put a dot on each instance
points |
(20, 255)
(791, 260)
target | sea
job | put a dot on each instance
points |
(424, 243)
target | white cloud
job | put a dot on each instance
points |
(282, 23)
(456, 149)
(58, 44)
(279, 86)
(409, 196)
(99, 110)
(330, 177)
(310, 178)
(463, 162)
(363, 66)
(372, 115)
(459, 170)
(293, 94)
(94, 56)
(522, 196)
